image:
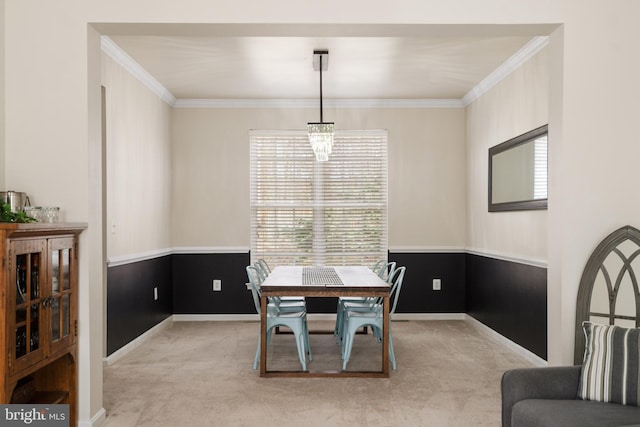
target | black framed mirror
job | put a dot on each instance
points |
(518, 172)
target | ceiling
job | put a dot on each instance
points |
(276, 67)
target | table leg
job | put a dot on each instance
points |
(385, 336)
(263, 335)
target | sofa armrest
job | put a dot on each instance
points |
(557, 382)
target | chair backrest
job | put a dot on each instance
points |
(260, 270)
(396, 279)
(384, 269)
(254, 280)
(264, 266)
(377, 267)
(387, 271)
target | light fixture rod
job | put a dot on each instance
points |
(321, 121)
(321, 63)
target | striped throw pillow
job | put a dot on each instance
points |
(611, 365)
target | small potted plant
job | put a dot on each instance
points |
(7, 216)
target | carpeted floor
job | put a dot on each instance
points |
(200, 374)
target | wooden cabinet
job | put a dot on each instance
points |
(38, 313)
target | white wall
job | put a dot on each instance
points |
(51, 86)
(594, 170)
(516, 105)
(210, 161)
(138, 162)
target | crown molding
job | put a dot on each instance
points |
(313, 103)
(128, 63)
(516, 60)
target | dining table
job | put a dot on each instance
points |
(325, 281)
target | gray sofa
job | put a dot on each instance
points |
(547, 397)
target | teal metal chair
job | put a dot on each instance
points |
(384, 270)
(276, 316)
(262, 264)
(372, 316)
(291, 303)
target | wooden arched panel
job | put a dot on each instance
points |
(609, 292)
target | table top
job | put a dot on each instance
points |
(360, 277)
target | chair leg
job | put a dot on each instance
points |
(301, 350)
(301, 334)
(378, 333)
(339, 322)
(392, 356)
(346, 350)
(347, 342)
(306, 338)
(257, 358)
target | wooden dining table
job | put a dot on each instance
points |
(311, 282)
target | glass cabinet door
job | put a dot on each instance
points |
(26, 279)
(62, 269)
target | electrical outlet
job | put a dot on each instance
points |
(217, 285)
(437, 284)
(155, 293)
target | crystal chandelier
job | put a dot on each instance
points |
(321, 133)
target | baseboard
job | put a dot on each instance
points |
(429, 316)
(96, 421)
(240, 317)
(310, 316)
(126, 349)
(501, 339)
(216, 318)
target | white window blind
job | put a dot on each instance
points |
(305, 212)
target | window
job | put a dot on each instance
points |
(305, 212)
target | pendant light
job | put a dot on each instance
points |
(321, 133)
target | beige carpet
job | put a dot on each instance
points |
(200, 374)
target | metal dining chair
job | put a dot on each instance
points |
(384, 270)
(263, 267)
(296, 320)
(372, 316)
(264, 270)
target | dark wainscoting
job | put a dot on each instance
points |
(510, 298)
(131, 309)
(417, 294)
(193, 276)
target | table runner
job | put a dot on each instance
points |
(320, 276)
